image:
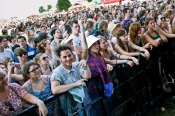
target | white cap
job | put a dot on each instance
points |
(91, 39)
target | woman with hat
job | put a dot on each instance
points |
(108, 53)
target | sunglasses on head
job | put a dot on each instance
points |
(44, 58)
(24, 53)
(7, 103)
(162, 18)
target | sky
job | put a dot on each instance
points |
(23, 8)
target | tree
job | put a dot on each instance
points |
(89, 0)
(49, 7)
(41, 9)
(63, 5)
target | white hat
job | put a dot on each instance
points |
(91, 39)
(66, 40)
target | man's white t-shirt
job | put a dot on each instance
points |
(76, 41)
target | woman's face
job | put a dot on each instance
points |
(22, 56)
(34, 71)
(151, 24)
(13, 40)
(124, 38)
(44, 60)
(47, 45)
(95, 47)
(161, 19)
(103, 44)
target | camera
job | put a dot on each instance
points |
(12, 63)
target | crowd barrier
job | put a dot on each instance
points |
(136, 90)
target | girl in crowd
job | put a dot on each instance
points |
(136, 36)
(21, 54)
(152, 36)
(37, 84)
(113, 28)
(163, 25)
(45, 47)
(89, 27)
(11, 95)
(108, 53)
(103, 26)
(169, 14)
(43, 60)
(124, 46)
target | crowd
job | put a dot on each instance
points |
(52, 54)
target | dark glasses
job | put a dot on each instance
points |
(162, 18)
(35, 69)
(22, 54)
(44, 58)
(7, 103)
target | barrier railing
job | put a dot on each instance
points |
(135, 91)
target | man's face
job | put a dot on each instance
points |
(21, 42)
(128, 14)
(75, 28)
(66, 58)
(3, 43)
(58, 34)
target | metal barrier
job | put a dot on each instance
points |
(138, 89)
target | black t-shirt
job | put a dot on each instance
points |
(14, 47)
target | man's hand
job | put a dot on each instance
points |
(82, 63)
(81, 82)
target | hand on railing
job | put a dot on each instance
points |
(42, 109)
(109, 67)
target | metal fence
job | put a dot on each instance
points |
(136, 89)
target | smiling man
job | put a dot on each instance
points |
(68, 76)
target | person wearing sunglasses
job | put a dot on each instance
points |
(21, 54)
(163, 25)
(43, 60)
(11, 95)
(38, 84)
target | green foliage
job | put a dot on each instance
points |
(41, 9)
(63, 5)
(89, 0)
(49, 7)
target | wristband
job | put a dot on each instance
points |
(82, 29)
(138, 54)
(38, 102)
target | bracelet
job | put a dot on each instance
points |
(82, 29)
(38, 102)
(119, 55)
(169, 25)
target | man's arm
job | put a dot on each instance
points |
(57, 88)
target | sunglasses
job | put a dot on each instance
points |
(35, 70)
(22, 54)
(44, 58)
(162, 18)
(7, 103)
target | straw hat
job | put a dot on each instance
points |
(66, 40)
(91, 39)
(112, 27)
